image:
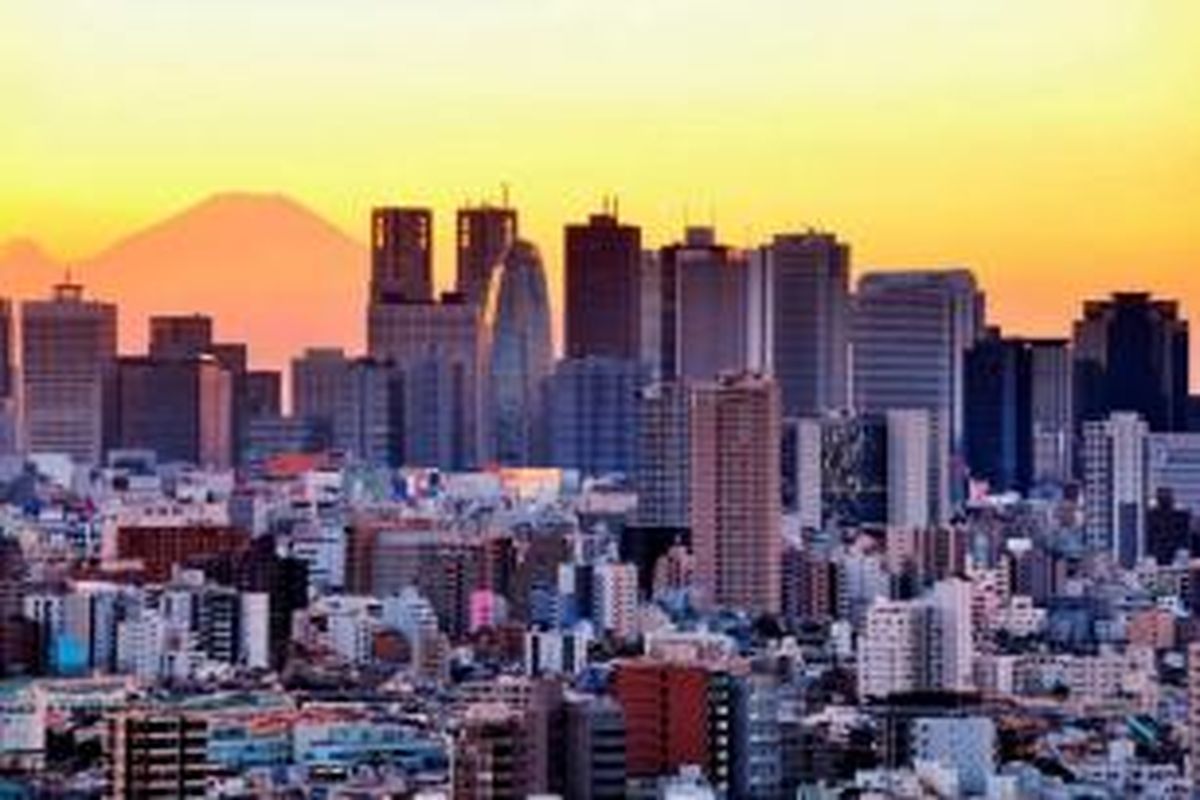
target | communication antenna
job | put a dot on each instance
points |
(504, 194)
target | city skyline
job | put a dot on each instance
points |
(1073, 167)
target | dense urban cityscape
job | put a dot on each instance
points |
(761, 531)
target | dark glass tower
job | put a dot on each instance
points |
(1131, 354)
(999, 412)
(603, 264)
(520, 354)
(484, 235)
(401, 255)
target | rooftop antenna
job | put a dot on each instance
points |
(504, 194)
(616, 203)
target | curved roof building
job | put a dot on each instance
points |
(520, 354)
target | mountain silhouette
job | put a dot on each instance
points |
(269, 271)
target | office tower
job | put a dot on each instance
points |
(704, 308)
(520, 355)
(911, 330)
(1131, 354)
(603, 288)
(401, 255)
(591, 414)
(8, 391)
(1052, 411)
(68, 345)
(735, 498)
(491, 754)
(909, 468)
(437, 349)
(835, 470)
(810, 278)
(357, 401)
(264, 394)
(485, 233)
(666, 716)
(1114, 484)
(756, 763)
(180, 408)
(1173, 465)
(661, 471)
(650, 312)
(159, 754)
(999, 412)
(180, 336)
(595, 748)
(1168, 528)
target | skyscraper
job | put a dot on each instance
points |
(810, 276)
(485, 234)
(520, 354)
(181, 408)
(603, 288)
(911, 331)
(1131, 354)
(8, 399)
(663, 456)
(358, 402)
(438, 350)
(591, 414)
(1115, 485)
(68, 346)
(999, 412)
(735, 498)
(401, 255)
(704, 308)
(1052, 410)
(180, 336)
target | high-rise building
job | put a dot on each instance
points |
(1131, 354)
(8, 389)
(180, 336)
(437, 348)
(15, 652)
(735, 497)
(810, 279)
(836, 469)
(999, 412)
(704, 308)
(603, 288)
(159, 754)
(520, 355)
(595, 748)
(910, 468)
(661, 471)
(1115, 493)
(264, 394)
(180, 408)
(911, 330)
(1173, 464)
(1052, 410)
(666, 716)
(485, 233)
(359, 403)
(591, 414)
(401, 255)
(68, 347)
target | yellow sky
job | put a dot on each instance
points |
(1052, 145)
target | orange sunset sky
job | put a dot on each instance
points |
(1051, 145)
